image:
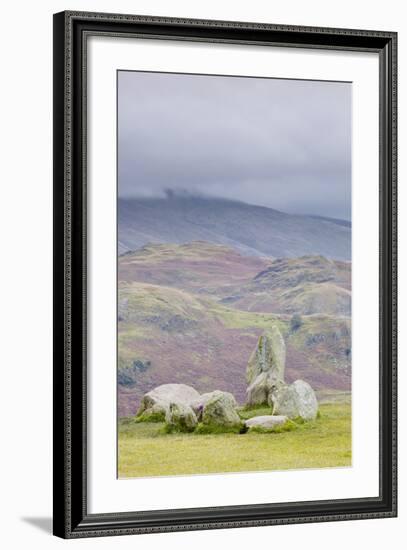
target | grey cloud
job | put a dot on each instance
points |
(285, 144)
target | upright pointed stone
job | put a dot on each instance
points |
(268, 356)
(266, 366)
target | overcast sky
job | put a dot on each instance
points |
(285, 144)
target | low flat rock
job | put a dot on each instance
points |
(267, 422)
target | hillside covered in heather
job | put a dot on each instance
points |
(192, 312)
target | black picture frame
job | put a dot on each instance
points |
(71, 518)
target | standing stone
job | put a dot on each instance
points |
(180, 418)
(266, 367)
(295, 400)
(268, 356)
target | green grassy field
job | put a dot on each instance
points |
(144, 450)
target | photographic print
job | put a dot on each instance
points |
(234, 266)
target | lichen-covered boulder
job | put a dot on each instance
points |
(268, 356)
(180, 418)
(265, 423)
(156, 402)
(199, 404)
(294, 400)
(220, 410)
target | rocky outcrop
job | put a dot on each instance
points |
(156, 402)
(199, 404)
(219, 410)
(296, 400)
(180, 418)
(265, 423)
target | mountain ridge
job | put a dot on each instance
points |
(250, 229)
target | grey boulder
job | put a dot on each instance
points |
(199, 404)
(294, 400)
(180, 418)
(220, 410)
(159, 399)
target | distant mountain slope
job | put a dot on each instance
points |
(305, 285)
(198, 266)
(252, 230)
(346, 223)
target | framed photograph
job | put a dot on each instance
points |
(224, 274)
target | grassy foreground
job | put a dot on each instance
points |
(144, 450)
